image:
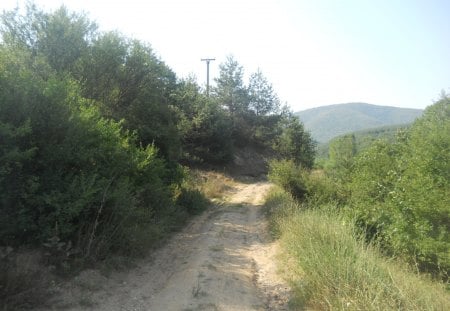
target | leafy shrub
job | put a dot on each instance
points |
(400, 192)
(422, 194)
(66, 171)
(342, 150)
(192, 200)
(309, 187)
(322, 189)
(289, 176)
(190, 195)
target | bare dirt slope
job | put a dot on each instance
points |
(223, 260)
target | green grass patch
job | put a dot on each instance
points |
(331, 267)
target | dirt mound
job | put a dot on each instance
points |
(250, 161)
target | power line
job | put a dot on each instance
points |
(207, 60)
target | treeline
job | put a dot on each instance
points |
(94, 126)
(396, 191)
(363, 140)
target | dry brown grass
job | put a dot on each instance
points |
(214, 185)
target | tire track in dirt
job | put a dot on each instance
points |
(223, 260)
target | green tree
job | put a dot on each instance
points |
(295, 143)
(231, 94)
(205, 128)
(66, 171)
(342, 151)
(400, 191)
(423, 193)
(64, 38)
(101, 70)
(230, 90)
(375, 172)
(61, 37)
(22, 31)
(145, 100)
(262, 98)
(123, 77)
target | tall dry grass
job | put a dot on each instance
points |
(214, 185)
(332, 268)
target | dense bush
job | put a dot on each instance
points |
(400, 191)
(289, 176)
(311, 187)
(295, 143)
(66, 171)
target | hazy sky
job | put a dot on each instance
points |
(314, 52)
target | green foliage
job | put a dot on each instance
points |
(101, 69)
(397, 192)
(341, 153)
(329, 266)
(323, 189)
(289, 176)
(205, 128)
(93, 126)
(254, 112)
(363, 140)
(314, 188)
(374, 176)
(65, 170)
(124, 77)
(295, 142)
(263, 100)
(61, 37)
(230, 89)
(423, 193)
(400, 191)
(192, 200)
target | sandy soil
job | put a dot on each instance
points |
(223, 260)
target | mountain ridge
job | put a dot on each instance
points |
(327, 122)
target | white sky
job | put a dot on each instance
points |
(314, 52)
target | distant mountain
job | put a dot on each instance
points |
(327, 122)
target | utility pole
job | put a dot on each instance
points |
(207, 60)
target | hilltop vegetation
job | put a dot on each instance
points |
(327, 122)
(94, 127)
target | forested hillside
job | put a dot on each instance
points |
(93, 129)
(363, 139)
(327, 122)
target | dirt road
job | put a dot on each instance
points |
(223, 260)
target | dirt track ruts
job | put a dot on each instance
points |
(223, 260)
